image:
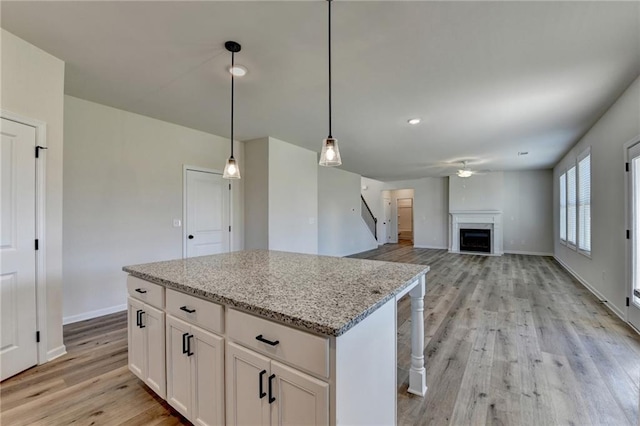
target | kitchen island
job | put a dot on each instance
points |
(266, 337)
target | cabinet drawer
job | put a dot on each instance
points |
(150, 293)
(196, 311)
(304, 350)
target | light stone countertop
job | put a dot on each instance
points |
(322, 294)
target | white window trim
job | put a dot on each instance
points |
(563, 241)
(572, 246)
(584, 154)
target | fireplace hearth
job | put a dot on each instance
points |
(475, 240)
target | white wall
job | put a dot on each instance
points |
(293, 198)
(122, 188)
(528, 212)
(281, 191)
(341, 229)
(605, 271)
(479, 192)
(430, 210)
(32, 85)
(255, 175)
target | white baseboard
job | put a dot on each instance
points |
(528, 253)
(56, 352)
(477, 253)
(429, 247)
(593, 290)
(93, 314)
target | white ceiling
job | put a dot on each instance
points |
(488, 79)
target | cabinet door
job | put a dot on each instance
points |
(136, 339)
(155, 375)
(247, 373)
(179, 365)
(300, 398)
(208, 378)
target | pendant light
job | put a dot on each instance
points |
(330, 155)
(231, 169)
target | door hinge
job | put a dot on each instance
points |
(229, 228)
(627, 301)
(628, 234)
(38, 148)
(37, 337)
(37, 245)
(626, 167)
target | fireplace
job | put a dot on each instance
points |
(478, 240)
(476, 220)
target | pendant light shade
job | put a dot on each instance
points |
(231, 169)
(330, 155)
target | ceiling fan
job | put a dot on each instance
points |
(445, 169)
(464, 172)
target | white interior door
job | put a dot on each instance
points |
(387, 220)
(633, 313)
(207, 214)
(18, 347)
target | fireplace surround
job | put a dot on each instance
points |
(477, 220)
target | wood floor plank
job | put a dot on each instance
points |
(472, 402)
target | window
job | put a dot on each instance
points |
(563, 207)
(571, 205)
(575, 204)
(584, 201)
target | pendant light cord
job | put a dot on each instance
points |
(330, 69)
(232, 81)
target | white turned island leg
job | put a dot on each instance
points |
(418, 372)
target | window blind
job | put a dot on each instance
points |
(584, 203)
(571, 205)
(563, 207)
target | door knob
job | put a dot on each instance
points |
(190, 237)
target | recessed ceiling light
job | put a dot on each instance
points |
(523, 152)
(238, 70)
(414, 121)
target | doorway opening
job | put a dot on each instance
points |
(405, 219)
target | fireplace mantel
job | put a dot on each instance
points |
(476, 219)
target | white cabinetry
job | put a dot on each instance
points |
(261, 391)
(267, 372)
(146, 344)
(195, 372)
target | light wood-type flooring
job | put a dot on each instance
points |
(510, 340)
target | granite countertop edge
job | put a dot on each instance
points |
(275, 316)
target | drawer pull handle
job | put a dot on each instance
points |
(184, 343)
(187, 310)
(268, 342)
(261, 393)
(189, 337)
(139, 290)
(271, 397)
